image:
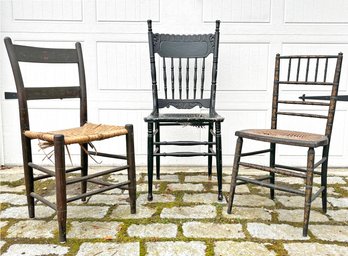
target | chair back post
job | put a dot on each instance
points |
(82, 81)
(153, 68)
(214, 71)
(275, 92)
(333, 98)
(22, 98)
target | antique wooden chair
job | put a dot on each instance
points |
(83, 135)
(311, 64)
(184, 91)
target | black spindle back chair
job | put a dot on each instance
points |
(309, 76)
(82, 135)
(184, 61)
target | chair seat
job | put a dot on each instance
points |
(295, 138)
(87, 133)
(184, 117)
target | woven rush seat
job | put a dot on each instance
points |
(285, 137)
(87, 133)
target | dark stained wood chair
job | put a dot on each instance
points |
(310, 64)
(83, 135)
(183, 60)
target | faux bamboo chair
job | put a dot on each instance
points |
(294, 138)
(86, 133)
(183, 92)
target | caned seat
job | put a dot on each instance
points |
(302, 139)
(87, 133)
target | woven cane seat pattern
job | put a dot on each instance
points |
(285, 137)
(87, 133)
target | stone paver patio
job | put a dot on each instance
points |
(184, 218)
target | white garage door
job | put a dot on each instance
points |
(114, 40)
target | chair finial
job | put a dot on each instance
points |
(149, 25)
(217, 22)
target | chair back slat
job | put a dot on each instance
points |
(187, 77)
(298, 69)
(180, 79)
(195, 80)
(289, 69)
(45, 55)
(165, 78)
(325, 71)
(45, 93)
(202, 77)
(307, 69)
(193, 48)
(316, 70)
(172, 76)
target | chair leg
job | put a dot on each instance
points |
(219, 159)
(60, 186)
(324, 178)
(84, 170)
(131, 170)
(28, 175)
(236, 161)
(157, 139)
(210, 158)
(272, 164)
(149, 159)
(308, 192)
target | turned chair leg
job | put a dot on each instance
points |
(219, 159)
(28, 175)
(131, 168)
(210, 158)
(272, 164)
(84, 170)
(60, 186)
(236, 161)
(324, 178)
(149, 160)
(158, 162)
(308, 191)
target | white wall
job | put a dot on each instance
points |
(114, 39)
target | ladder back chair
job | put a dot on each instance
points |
(293, 77)
(83, 135)
(183, 59)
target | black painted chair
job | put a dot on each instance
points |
(83, 135)
(185, 56)
(308, 76)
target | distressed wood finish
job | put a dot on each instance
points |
(19, 53)
(275, 136)
(184, 93)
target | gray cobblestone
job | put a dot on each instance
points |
(186, 212)
(175, 248)
(107, 249)
(275, 231)
(93, 229)
(212, 230)
(231, 248)
(153, 230)
(330, 232)
(305, 249)
(36, 250)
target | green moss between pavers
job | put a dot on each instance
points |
(122, 236)
(338, 189)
